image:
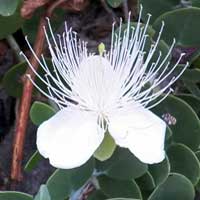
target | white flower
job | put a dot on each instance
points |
(96, 93)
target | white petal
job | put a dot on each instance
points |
(69, 138)
(142, 132)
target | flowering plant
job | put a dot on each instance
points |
(106, 92)
(117, 106)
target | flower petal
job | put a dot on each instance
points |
(142, 132)
(69, 138)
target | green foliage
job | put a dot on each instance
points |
(179, 154)
(97, 195)
(146, 182)
(193, 101)
(184, 31)
(10, 19)
(116, 174)
(33, 161)
(122, 165)
(161, 7)
(11, 195)
(195, 3)
(40, 112)
(175, 187)
(160, 171)
(186, 129)
(115, 188)
(8, 7)
(69, 180)
(121, 199)
(12, 79)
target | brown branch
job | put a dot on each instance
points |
(22, 118)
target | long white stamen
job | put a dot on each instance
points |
(116, 84)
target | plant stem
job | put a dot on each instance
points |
(22, 118)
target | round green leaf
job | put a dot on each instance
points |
(186, 127)
(12, 80)
(161, 7)
(122, 199)
(195, 3)
(40, 112)
(193, 88)
(122, 165)
(118, 188)
(106, 148)
(10, 23)
(197, 186)
(185, 31)
(175, 187)
(114, 3)
(33, 161)
(97, 195)
(8, 7)
(183, 161)
(160, 171)
(168, 134)
(63, 182)
(193, 101)
(146, 182)
(191, 75)
(12, 195)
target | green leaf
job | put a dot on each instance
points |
(40, 112)
(63, 182)
(193, 101)
(10, 23)
(192, 75)
(12, 195)
(175, 187)
(13, 83)
(193, 88)
(118, 188)
(33, 161)
(122, 165)
(122, 199)
(186, 128)
(168, 134)
(195, 3)
(106, 148)
(184, 31)
(161, 7)
(12, 79)
(197, 186)
(183, 161)
(8, 7)
(160, 171)
(97, 195)
(146, 182)
(114, 3)
(43, 193)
